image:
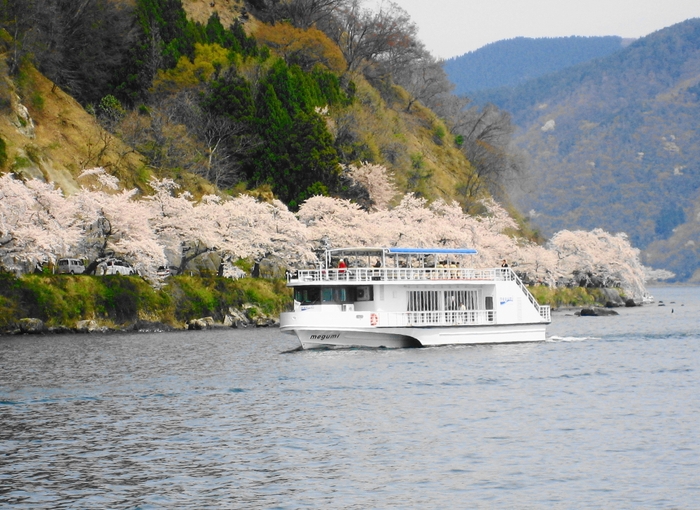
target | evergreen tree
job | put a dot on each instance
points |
(230, 95)
(164, 35)
(297, 157)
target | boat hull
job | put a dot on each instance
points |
(418, 337)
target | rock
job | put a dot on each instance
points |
(89, 326)
(31, 326)
(630, 303)
(272, 266)
(196, 325)
(200, 324)
(236, 319)
(596, 312)
(612, 298)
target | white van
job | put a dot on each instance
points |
(114, 266)
(70, 266)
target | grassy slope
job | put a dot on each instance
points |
(120, 301)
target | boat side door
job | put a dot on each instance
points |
(488, 305)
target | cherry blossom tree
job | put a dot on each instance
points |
(177, 224)
(37, 224)
(335, 221)
(377, 181)
(249, 227)
(598, 257)
(116, 223)
(535, 263)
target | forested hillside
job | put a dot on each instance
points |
(614, 143)
(248, 95)
(514, 61)
(177, 134)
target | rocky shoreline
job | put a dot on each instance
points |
(247, 317)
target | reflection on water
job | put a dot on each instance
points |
(604, 414)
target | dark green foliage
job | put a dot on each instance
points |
(230, 95)
(216, 33)
(3, 153)
(234, 38)
(121, 299)
(314, 160)
(165, 21)
(302, 92)
(247, 44)
(297, 157)
(164, 35)
(298, 153)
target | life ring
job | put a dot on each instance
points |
(373, 319)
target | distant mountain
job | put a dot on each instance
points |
(513, 61)
(615, 143)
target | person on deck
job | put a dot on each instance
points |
(504, 263)
(342, 266)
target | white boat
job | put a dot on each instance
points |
(410, 297)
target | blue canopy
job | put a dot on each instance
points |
(448, 251)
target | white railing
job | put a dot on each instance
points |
(401, 274)
(434, 318)
(360, 274)
(543, 310)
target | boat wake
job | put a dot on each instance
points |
(570, 338)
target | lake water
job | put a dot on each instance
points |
(605, 414)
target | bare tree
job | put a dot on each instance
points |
(78, 44)
(486, 135)
(453, 110)
(179, 133)
(307, 13)
(22, 19)
(424, 79)
(365, 36)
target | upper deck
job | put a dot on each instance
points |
(402, 265)
(365, 264)
(400, 274)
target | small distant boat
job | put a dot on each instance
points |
(647, 299)
(410, 297)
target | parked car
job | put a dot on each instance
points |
(165, 271)
(114, 266)
(70, 266)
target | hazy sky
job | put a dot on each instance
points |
(453, 27)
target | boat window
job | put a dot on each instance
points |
(423, 300)
(337, 295)
(310, 295)
(307, 295)
(431, 300)
(461, 300)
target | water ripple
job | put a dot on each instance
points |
(602, 415)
